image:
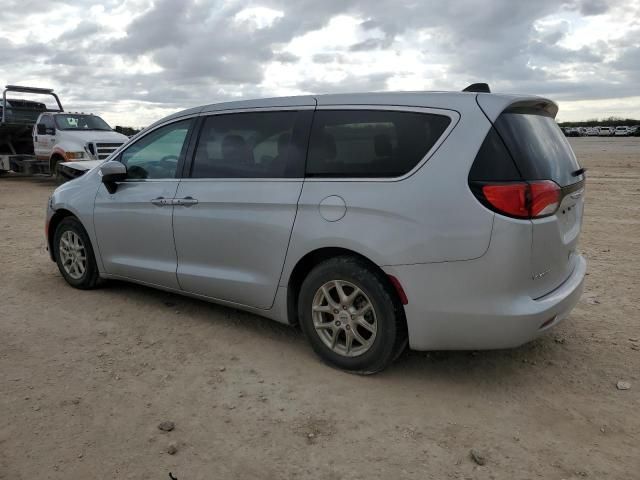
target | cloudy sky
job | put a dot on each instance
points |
(134, 61)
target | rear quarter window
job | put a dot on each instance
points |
(371, 143)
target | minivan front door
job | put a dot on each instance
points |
(134, 224)
(233, 217)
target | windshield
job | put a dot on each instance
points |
(70, 121)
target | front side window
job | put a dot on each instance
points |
(250, 145)
(81, 122)
(371, 143)
(157, 154)
(47, 121)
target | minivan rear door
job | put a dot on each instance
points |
(541, 152)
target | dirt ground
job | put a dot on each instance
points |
(86, 377)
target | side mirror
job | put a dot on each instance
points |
(41, 129)
(112, 172)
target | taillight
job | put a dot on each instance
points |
(545, 198)
(522, 199)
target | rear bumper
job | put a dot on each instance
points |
(456, 306)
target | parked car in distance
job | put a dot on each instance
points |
(606, 131)
(621, 131)
(371, 220)
(593, 131)
(573, 132)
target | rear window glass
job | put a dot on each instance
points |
(368, 143)
(538, 147)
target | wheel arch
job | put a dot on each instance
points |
(306, 263)
(59, 215)
(57, 155)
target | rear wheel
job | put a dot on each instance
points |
(74, 255)
(350, 316)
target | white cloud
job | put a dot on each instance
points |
(136, 60)
(258, 17)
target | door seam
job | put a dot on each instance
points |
(295, 215)
(173, 234)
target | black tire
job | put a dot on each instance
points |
(55, 170)
(90, 277)
(391, 336)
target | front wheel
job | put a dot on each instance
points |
(74, 255)
(56, 172)
(350, 316)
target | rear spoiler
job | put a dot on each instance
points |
(494, 105)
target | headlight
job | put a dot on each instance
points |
(73, 155)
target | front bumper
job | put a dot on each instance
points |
(455, 306)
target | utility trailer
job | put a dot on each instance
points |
(17, 121)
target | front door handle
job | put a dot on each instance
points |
(161, 201)
(185, 202)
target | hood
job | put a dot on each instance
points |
(71, 170)
(85, 136)
(82, 165)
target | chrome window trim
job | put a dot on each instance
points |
(257, 110)
(145, 180)
(452, 114)
(251, 179)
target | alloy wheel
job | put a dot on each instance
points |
(73, 254)
(344, 318)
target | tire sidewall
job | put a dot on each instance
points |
(89, 278)
(383, 350)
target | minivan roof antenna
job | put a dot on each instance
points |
(478, 87)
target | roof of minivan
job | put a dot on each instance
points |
(427, 99)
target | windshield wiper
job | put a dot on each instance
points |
(580, 171)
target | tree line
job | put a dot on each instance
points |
(605, 122)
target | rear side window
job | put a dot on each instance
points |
(493, 162)
(252, 145)
(538, 147)
(370, 143)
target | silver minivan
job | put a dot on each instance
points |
(374, 221)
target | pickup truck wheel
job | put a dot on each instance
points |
(55, 170)
(74, 255)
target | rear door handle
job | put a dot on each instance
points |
(161, 201)
(185, 202)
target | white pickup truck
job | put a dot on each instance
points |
(71, 137)
(35, 138)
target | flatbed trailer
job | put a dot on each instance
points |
(17, 121)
